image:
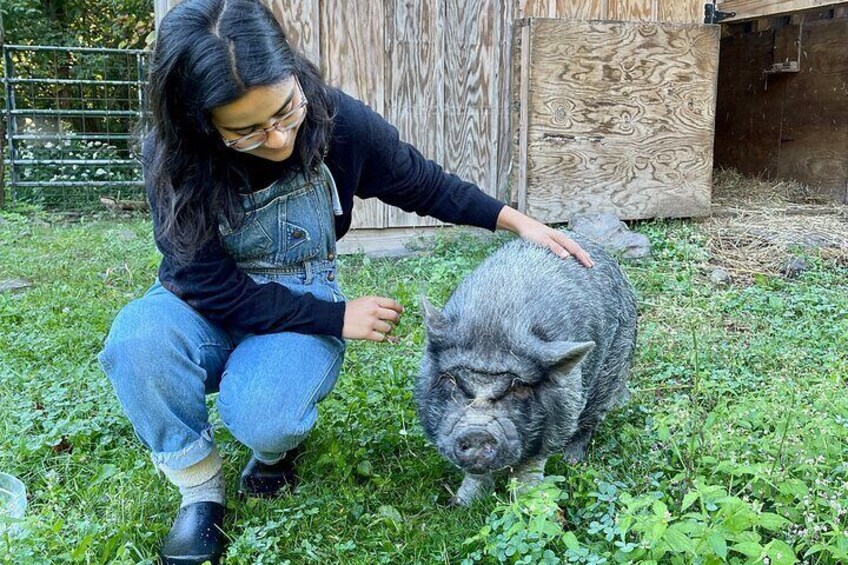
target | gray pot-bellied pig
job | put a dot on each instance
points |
(527, 357)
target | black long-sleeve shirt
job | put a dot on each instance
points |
(366, 159)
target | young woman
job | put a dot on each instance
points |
(251, 167)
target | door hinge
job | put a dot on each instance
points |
(713, 15)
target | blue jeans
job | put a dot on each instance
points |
(163, 358)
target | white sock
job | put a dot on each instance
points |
(201, 482)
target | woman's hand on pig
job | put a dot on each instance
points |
(371, 318)
(529, 229)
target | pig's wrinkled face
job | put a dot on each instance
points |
(489, 403)
(488, 420)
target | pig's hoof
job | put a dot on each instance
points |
(456, 502)
(575, 456)
(577, 449)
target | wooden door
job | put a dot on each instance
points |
(615, 116)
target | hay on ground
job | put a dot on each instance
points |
(757, 226)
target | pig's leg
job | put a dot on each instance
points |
(472, 487)
(530, 474)
(578, 445)
(623, 396)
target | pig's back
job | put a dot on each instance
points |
(523, 288)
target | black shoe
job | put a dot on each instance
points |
(267, 481)
(196, 537)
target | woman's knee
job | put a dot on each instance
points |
(272, 433)
(138, 340)
(153, 336)
(264, 425)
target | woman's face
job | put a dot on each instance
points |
(259, 108)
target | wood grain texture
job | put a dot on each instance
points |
(416, 75)
(353, 58)
(353, 54)
(523, 138)
(621, 119)
(471, 34)
(681, 11)
(518, 65)
(630, 11)
(302, 23)
(566, 9)
(504, 69)
(751, 9)
(671, 11)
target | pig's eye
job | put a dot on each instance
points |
(520, 391)
(447, 381)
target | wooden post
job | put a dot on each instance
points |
(2, 123)
(524, 115)
(161, 7)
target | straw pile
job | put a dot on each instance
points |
(758, 225)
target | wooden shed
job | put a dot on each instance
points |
(557, 106)
(783, 93)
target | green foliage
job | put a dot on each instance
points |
(124, 24)
(747, 465)
(49, 194)
(74, 23)
(719, 528)
(526, 529)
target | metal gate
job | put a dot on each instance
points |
(70, 115)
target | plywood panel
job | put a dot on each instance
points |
(672, 11)
(353, 54)
(302, 23)
(416, 82)
(620, 119)
(582, 10)
(353, 58)
(631, 10)
(503, 65)
(471, 30)
(535, 9)
(468, 147)
(566, 9)
(681, 11)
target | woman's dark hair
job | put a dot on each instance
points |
(209, 53)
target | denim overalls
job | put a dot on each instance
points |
(289, 234)
(163, 357)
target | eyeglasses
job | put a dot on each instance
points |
(288, 122)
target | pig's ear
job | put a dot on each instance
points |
(434, 321)
(564, 356)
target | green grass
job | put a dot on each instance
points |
(732, 449)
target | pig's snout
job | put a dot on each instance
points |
(476, 450)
